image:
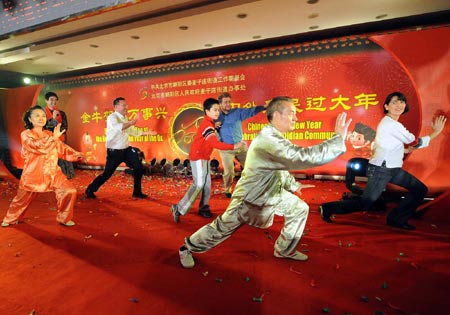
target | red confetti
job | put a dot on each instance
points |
(312, 283)
(337, 267)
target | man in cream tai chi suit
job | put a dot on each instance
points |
(266, 186)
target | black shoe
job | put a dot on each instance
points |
(140, 196)
(90, 194)
(175, 213)
(325, 214)
(228, 195)
(205, 212)
(404, 226)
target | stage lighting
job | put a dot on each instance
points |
(155, 166)
(355, 167)
(9, 4)
(214, 165)
(187, 167)
(167, 168)
(179, 168)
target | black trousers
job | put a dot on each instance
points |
(113, 160)
(379, 177)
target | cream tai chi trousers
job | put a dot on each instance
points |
(293, 209)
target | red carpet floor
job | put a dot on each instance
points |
(122, 258)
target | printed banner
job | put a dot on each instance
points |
(324, 79)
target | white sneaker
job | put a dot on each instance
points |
(186, 259)
(296, 256)
(68, 223)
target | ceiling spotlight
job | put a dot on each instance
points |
(135, 37)
(8, 4)
(381, 16)
(208, 45)
(312, 1)
(59, 53)
(183, 27)
(313, 15)
(256, 37)
(26, 80)
(314, 27)
(241, 15)
(130, 58)
(166, 51)
(93, 46)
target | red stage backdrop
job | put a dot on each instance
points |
(327, 77)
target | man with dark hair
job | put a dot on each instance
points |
(118, 150)
(56, 116)
(267, 186)
(229, 125)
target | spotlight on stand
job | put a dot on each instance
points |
(141, 157)
(167, 168)
(155, 166)
(187, 167)
(178, 167)
(214, 165)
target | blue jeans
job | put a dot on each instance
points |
(379, 177)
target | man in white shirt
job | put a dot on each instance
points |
(118, 128)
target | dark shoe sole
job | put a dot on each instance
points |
(141, 196)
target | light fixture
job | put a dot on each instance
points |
(8, 4)
(214, 164)
(381, 16)
(183, 27)
(26, 80)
